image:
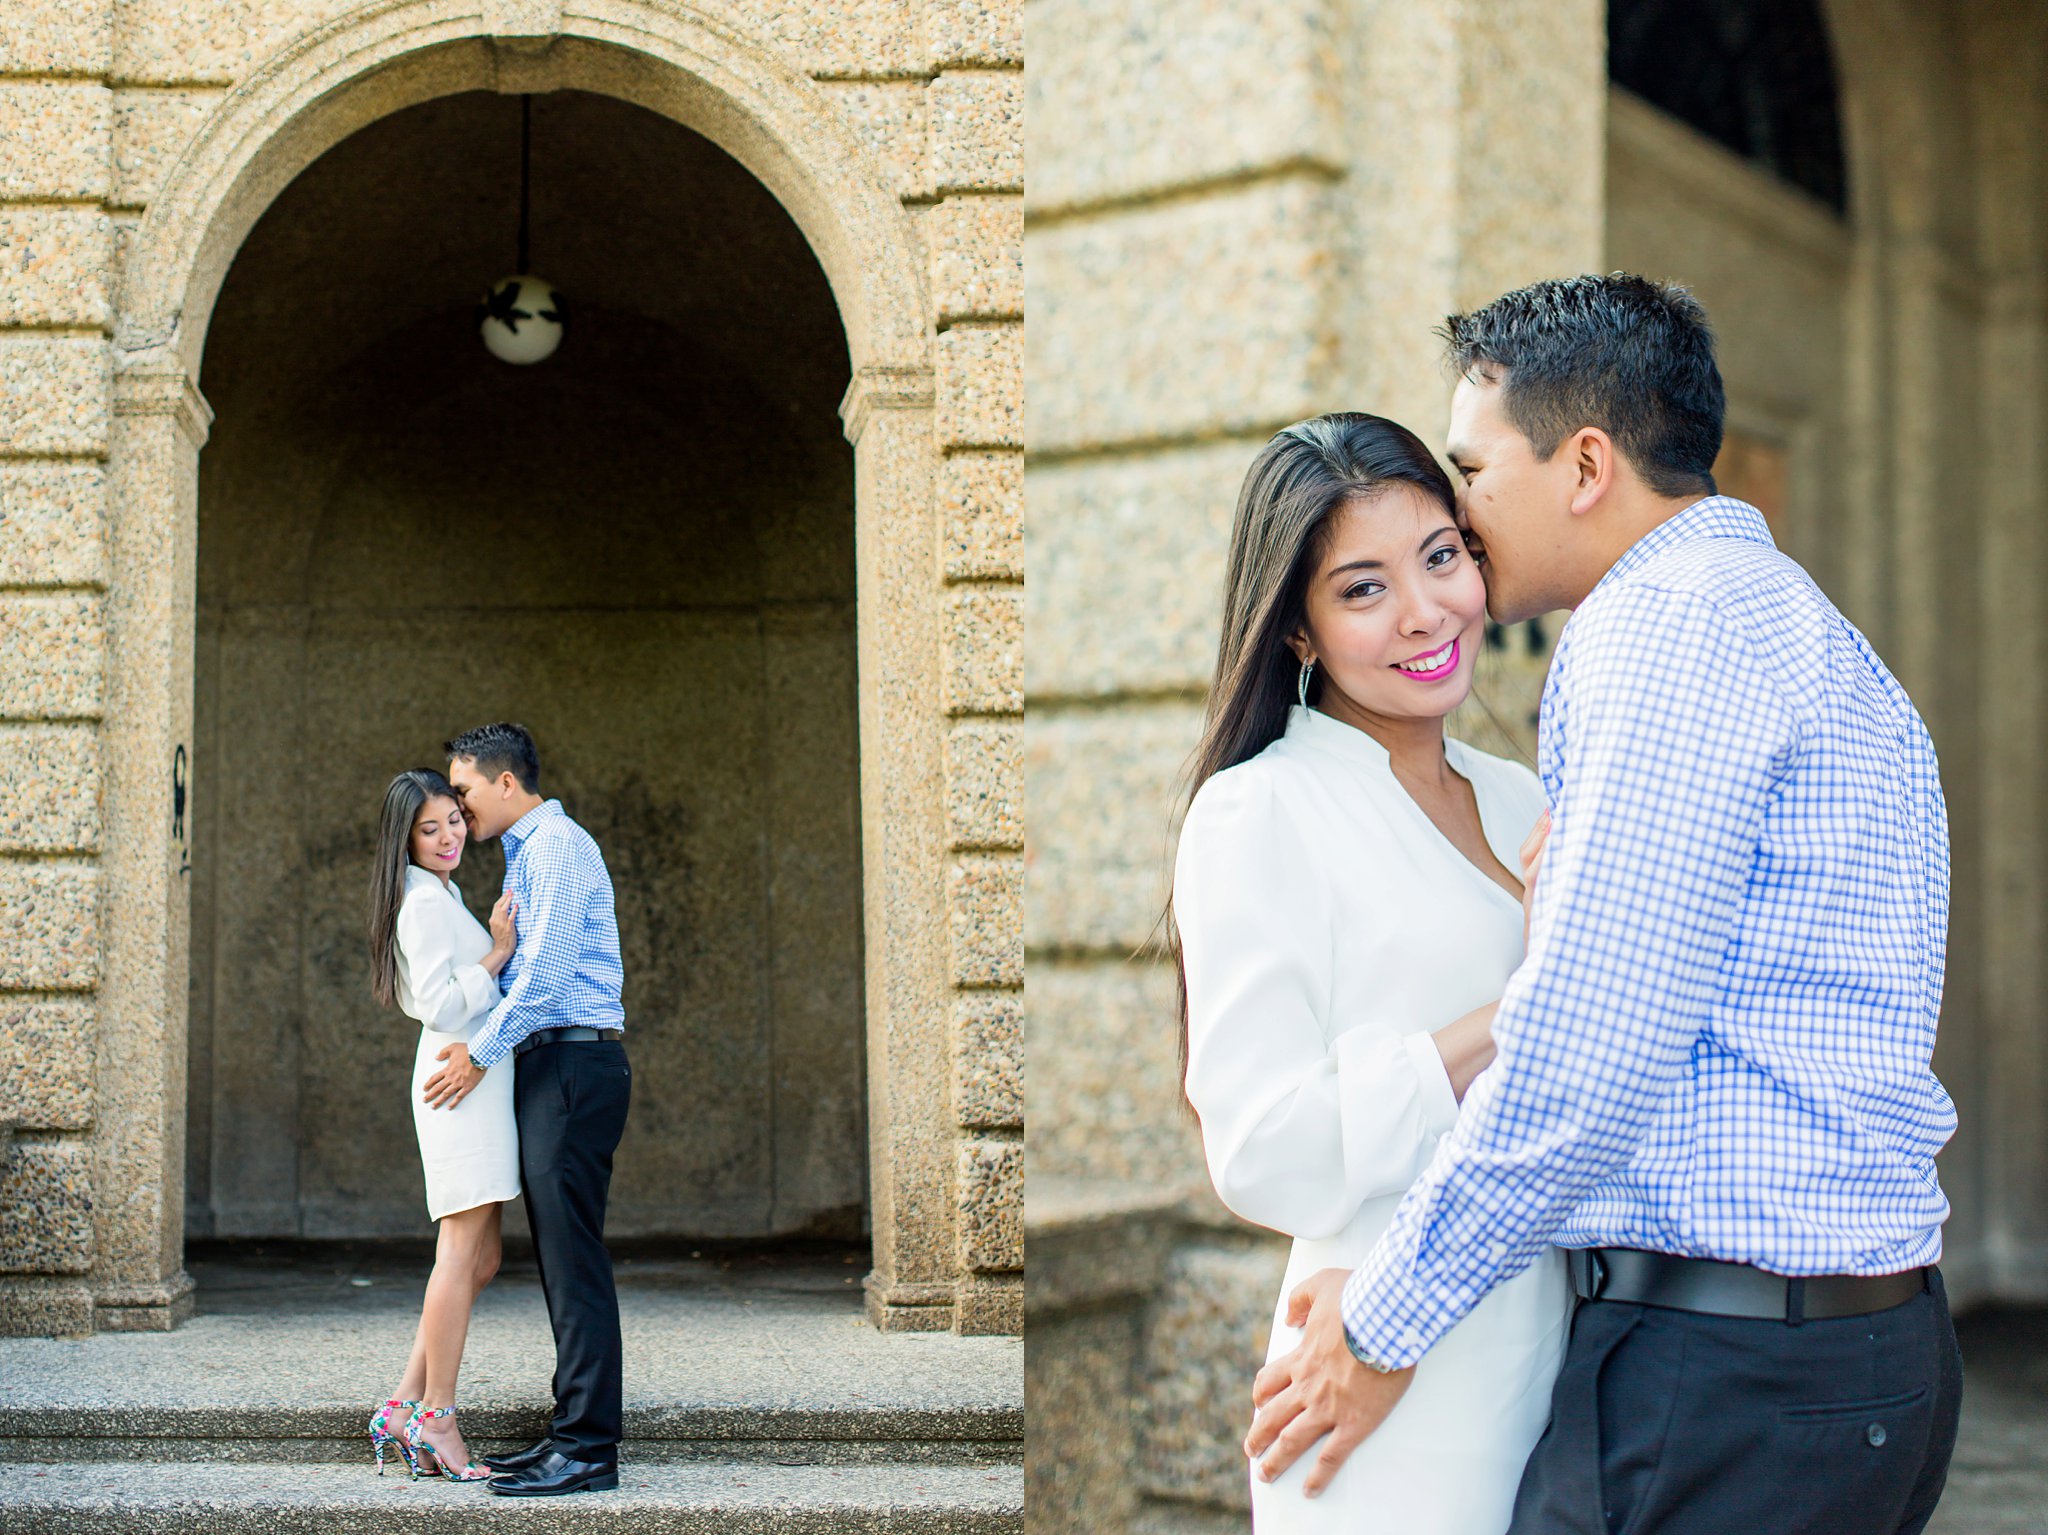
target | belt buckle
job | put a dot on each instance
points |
(1589, 1272)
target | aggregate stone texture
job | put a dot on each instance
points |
(981, 386)
(988, 1060)
(734, 1347)
(49, 926)
(700, 1499)
(52, 655)
(1998, 1480)
(976, 121)
(857, 37)
(1118, 87)
(54, 266)
(961, 32)
(984, 785)
(151, 128)
(56, 393)
(1162, 322)
(888, 116)
(981, 504)
(55, 37)
(52, 523)
(977, 248)
(46, 1190)
(984, 645)
(45, 1308)
(992, 1204)
(988, 1305)
(1078, 1388)
(171, 42)
(1106, 786)
(984, 900)
(1109, 538)
(53, 140)
(1205, 1338)
(49, 789)
(1106, 1100)
(46, 1064)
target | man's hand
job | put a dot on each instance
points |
(454, 1081)
(1318, 1390)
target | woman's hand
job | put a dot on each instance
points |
(504, 933)
(1532, 864)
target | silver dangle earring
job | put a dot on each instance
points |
(1301, 686)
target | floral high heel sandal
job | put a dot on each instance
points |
(417, 1446)
(381, 1436)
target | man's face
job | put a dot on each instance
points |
(1515, 507)
(485, 802)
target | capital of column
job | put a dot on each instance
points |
(884, 387)
(162, 387)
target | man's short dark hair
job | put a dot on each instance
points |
(1630, 356)
(500, 748)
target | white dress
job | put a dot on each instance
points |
(470, 1152)
(1327, 927)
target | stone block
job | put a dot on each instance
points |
(976, 121)
(984, 910)
(45, 1308)
(977, 246)
(980, 386)
(981, 512)
(848, 38)
(1105, 1096)
(1205, 1337)
(46, 1190)
(1177, 322)
(991, 1193)
(984, 786)
(889, 118)
(989, 1305)
(968, 32)
(1078, 1371)
(1105, 791)
(46, 1065)
(49, 928)
(55, 37)
(49, 789)
(988, 1060)
(53, 140)
(52, 657)
(983, 641)
(55, 267)
(52, 524)
(1130, 99)
(1110, 535)
(56, 394)
(174, 42)
(151, 129)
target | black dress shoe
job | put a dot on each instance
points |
(519, 1460)
(556, 1473)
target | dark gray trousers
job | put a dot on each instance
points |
(1672, 1423)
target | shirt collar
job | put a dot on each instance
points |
(515, 835)
(1709, 517)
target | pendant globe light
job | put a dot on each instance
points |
(521, 316)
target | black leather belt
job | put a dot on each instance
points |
(563, 1036)
(1733, 1289)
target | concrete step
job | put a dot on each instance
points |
(698, 1498)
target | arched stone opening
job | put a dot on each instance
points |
(642, 548)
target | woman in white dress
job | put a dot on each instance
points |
(437, 963)
(1346, 921)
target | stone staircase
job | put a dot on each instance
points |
(757, 1400)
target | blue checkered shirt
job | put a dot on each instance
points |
(566, 970)
(1719, 1044)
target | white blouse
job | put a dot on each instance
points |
(440, 982)
(1327, 927)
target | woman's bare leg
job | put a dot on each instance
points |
(467, 1238)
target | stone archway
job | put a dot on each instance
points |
(689, 64)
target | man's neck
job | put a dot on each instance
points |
(525, 806)
(1628, 524)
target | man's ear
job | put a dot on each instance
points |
(1595, 465)
(508, 784)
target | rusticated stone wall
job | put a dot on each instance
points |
(139, 145)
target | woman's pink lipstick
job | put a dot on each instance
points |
(1450, 665)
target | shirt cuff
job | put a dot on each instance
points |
(486, 1049)
(1387, 1317)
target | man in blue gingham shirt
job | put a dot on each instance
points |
(1712, 1069)
(566, 969)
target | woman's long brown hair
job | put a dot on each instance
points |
(1300, 481)
(402, 800)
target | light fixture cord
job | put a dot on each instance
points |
(525, 170)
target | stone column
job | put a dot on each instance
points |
(56, 247)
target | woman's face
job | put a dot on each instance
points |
(438, 835)
(1396, 611)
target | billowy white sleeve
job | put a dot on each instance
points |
(445, 996)
(1303, 1119)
